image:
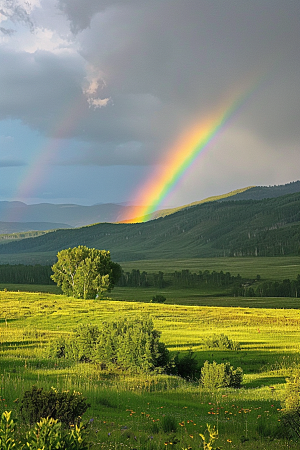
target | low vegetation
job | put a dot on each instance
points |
(65, 406)
(215, 376)
(146, 409)
(47, 434)
(125, 344)
(221, 342)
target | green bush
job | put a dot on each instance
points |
(185, 365)
(235, 376)
(82, 346)
(65, 406)
(215, 376)
(47, 434)
(7, 431)
(158, 299)
(57, 348)
(221, 342)
(129, 344)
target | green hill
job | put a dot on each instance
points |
(247, 193)
(268, 227)
(168, 211)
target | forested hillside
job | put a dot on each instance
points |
(261, 192)
(268, 227)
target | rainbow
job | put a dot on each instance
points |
(38, 170)
(182, 155)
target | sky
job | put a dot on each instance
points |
(96, 94)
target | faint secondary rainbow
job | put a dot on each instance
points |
(181, 156)
(39, 168)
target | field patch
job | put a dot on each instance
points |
(140, 410)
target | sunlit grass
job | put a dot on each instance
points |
(130, 409)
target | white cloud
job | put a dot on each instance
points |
(94, 82)
(16, 12)
(97, 102)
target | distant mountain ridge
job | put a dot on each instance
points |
(73, 215)
(68, 214)
(18, 227)
(267, 227)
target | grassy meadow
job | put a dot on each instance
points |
(269, 268)
(155, 411)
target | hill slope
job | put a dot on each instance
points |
(247, 193)
(269, 227)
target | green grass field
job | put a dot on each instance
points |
(140, 412)
(277, 268)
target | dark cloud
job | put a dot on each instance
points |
(145, 71)
(189, 57)
(81, 12)
(40, 89)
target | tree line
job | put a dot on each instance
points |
(87, 283)
(25, 274)
(284, 288)
(183, 279)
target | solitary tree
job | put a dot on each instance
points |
(85, 272)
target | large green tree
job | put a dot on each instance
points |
(84, 272)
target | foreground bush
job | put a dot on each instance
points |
(66, 407)
(215, 376)
(48, 434)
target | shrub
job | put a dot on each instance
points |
(84, 343)
(57, 348)
(65, 406)
(130, 344)
(7, 431)
(222, 342)
(185, 366)
(47, 434)
(158, 299)
(235, 376)
(215, 376)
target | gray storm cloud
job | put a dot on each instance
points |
(141, 71)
